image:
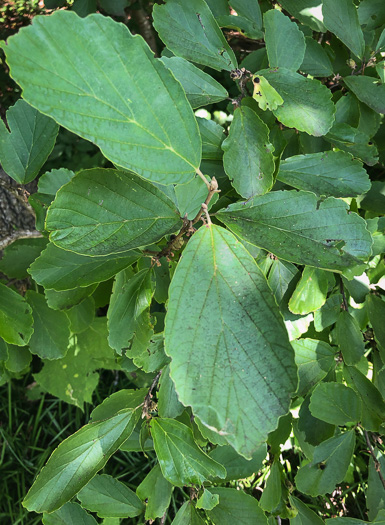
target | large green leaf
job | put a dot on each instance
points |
(335, 403)
(296, 227)
(109, 497)
(307, 103)
(305, 515)
(341, 18)
(67, 299)
(15, 317)
(77, 459)
(200, 88)
(51, 329)
(329, 465)
(354, 141)
(181, 460)
(26, 147)
(330, 173)
(63, 270)
(108, 88)
(105, 211)
(51, 181)
(369, 90)
(285, 42)
(235, 506)
(314, 359)
(349, 338)
(156, 491)
(69, 514)
(310, 292)
(241, 384)
(190, 30)
(129, 307)
(248, 155)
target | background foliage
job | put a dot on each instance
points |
(206, 363)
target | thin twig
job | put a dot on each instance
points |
(187, 224)
(148, 399)
(377, 464)
(203, 178)
(18, 234)
(344, 305)
(163, 519)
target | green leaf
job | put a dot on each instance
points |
(156, 491)
(328, 313)
(237, 467)
(154, 132)
(187, 515)
(307, 103)
(69, 514)
(104, 211)
(349, 338)
(235, 507)
(81, 315)
(314, 359)
(117, 402)
(67, 299)
(310, 292)
(51, 181)
(207, 500)
(328, 467)
(200, 88)
(272, 493)
(316, 61)
(233, 298)
(305, 515)
(375, 495)
(285, 42)
(26, 147)
(129, 307)
(248, 155)
(244, 25)
(109, 497)
(308, 12)
(19, 255)
(354, 141)
(330, 173)
(376, 313)
(296, 227)
(369, 90)
(281, 434)
(335, 403)
(190, 197)
(281, 276)
(168, 402)
(19, 357)
(341, 18)
(212, 135)
(371, 14)
(373, 411)
(249, 9)
(51, 329)
(189, 30)
(63, 270)
(181, 460)
(16, 321)
(77, 459)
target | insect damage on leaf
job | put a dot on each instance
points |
(266, 96)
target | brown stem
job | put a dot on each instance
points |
(163, 519)
(143, 22)
(187, 225)
(18, 234)
(148, 398)
(20, 194)
(344, 305)
(377, 464)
